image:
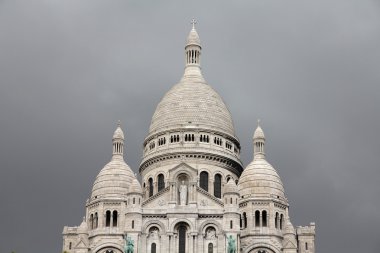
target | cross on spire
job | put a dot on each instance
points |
(193, 22)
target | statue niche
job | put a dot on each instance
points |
(183, 190)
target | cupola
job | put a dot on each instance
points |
(114, 180)
(259, 179)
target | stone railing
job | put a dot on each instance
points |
(155, 196)
(199, 189)
(105, 231)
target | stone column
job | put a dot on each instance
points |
(189, 243)
(200, 243)
(250, 220)
(143, 242)
(211, 186)
(175, 243)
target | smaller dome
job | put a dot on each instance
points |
(230, 187)
(135, 187)
(118, 134)
(260, 179)
(259, 133)
(113, 181)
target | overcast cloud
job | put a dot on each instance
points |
(310, 70)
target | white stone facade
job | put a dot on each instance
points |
(191, 147)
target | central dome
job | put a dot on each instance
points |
(192, 121)
(192, 103)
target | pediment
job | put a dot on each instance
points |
(185, 169)
(160, 200)
(206, 200)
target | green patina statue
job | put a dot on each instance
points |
(129, 244)
(231, 248)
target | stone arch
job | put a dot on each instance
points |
(204, 179)
(221, 173)
(102, 247)
(158, 172)
(185, 172)
(261, 245)
(154, 223)
(182, 220)
(207, 223)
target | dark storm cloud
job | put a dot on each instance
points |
(70, 69)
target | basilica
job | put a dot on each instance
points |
(195, 196)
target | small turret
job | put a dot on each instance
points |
(118, 143)
(258, 143)
(193, 50)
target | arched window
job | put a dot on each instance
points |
(91, 221)
(306, 246)
(161, 182)
(231, 224)
(281, 220)
(210, 248)
(153, 248)
(114, 219)
(218, 186)
(276, 220)
(203, 182)
(264, 216)
(108, 218)
(96, 220)
(70, 245)
(150, 187)
(257, 218)
(231, 201)
(244, 220)
(134, 200)
(133, 224)
(182, 239)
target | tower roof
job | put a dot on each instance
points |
(135, 187)
(231, 187)
(193, 38)
(259, 133)
(118, 134)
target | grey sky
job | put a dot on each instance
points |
(310, 70)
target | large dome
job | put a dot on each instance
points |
(192, 121)
(192, 103)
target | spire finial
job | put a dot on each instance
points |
(258, 122)
(193, 22)
(119, 123)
